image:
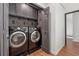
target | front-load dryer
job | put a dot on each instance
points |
(18, 42)
(34, 39)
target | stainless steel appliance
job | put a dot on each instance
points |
(18, 41)
(34, 39)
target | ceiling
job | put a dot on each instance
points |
(71, 6)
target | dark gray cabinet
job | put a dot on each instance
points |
(12, 8)
(43, 22)
(22, 14)
(23, 9)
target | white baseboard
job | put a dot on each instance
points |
(75, 40)
(56, 52)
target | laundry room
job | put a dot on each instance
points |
(27, 28)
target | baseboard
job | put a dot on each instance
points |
(53, 52)
(56, 52)
(59, 50)
(75, 40)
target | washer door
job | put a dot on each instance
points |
(17, 39)
(35, 36)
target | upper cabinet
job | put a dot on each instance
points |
(22, 9)
(12, 8)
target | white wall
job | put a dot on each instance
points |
(76, 26)
(52, 28)
(57, 28)
(69, 24)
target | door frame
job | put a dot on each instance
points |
(66, 23)
(5, 29)
(1, 29)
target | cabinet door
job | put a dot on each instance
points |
(40, 18)
(26, 10)
(44, 24)
(12, 8)
(45, 36)
(22, 9)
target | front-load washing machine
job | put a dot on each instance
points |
(18, 41)
(34, 39)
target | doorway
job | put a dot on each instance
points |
(71, 27)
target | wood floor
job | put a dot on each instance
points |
(40, 52)
(71, 49)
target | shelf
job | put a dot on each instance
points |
(19, 16)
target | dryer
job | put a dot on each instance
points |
(18, 41)
(34, 39)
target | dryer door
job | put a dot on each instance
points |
(35, 36)
(17, 39)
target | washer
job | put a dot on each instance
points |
(34, 39)
(19, 41)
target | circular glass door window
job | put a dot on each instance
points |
(35, 36)
(17, 39)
